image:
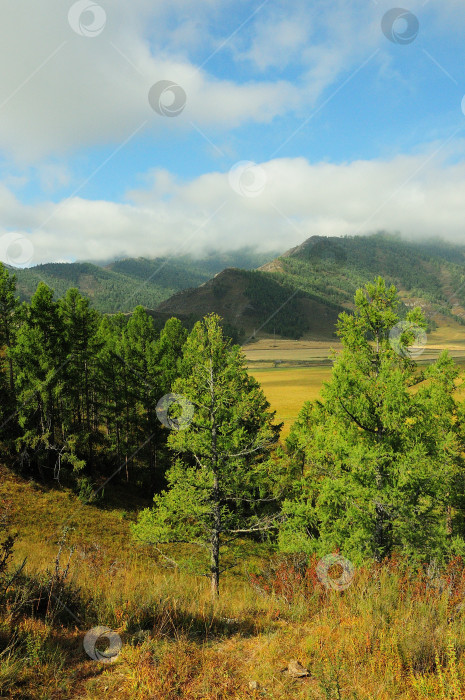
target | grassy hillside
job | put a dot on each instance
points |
(395, 633)
(256, 303)
(122, 285)
(431, 274)
(300, 293)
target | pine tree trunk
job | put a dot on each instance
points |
(88, 418)
(215, 563)
(216, 504)
(12, 378)
(118, 448)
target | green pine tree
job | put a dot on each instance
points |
(39, 357)
(168, 351)
(379, 457)
(9, 323)
(141, 388)
(78, 397)
(220, 483)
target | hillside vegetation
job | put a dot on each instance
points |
(396, 634)
(333, 268)
(120, 286)
(296, 295)
(159, 540)
(300, 293)
(255, 303)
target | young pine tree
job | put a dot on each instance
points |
(380, 456)
(221, 481)
(9, 323)
(141, 387)
(168, 351)
(78, 399)
(39, 358)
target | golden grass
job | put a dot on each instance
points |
(287, 389)
(379, 639)
(386, 637)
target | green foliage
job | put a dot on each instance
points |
(221, 478)
(9, 322)
(381, 455)
(85, 489)
(124, 284)
(277, 304)
(332, 269)
(81, 390)
(374, 468)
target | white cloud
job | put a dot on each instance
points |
(53, 176)
(418, 195)
(278, 40)
(61, 92)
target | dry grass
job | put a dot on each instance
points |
(267, 350)
(392, 634)
(287, 389)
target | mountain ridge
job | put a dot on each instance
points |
(123, 284)
(298, 293)
(311, 283)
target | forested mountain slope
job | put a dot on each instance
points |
(301, 292)
(122, 285)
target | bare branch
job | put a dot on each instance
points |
(363, 427)
(251, 500)
(249, 451)
(266, 524)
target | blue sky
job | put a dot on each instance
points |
(293, 118)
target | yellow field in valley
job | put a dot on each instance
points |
(266, 352)
(287, 389)
(293, 371)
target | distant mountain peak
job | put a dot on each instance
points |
(302, 291)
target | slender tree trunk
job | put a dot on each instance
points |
(215, 562)
(12, 377)
(118, 443)
(10, 362)
(88, 415)
(383, 522)
(216, 503)
(42, 429)
(449, 519)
